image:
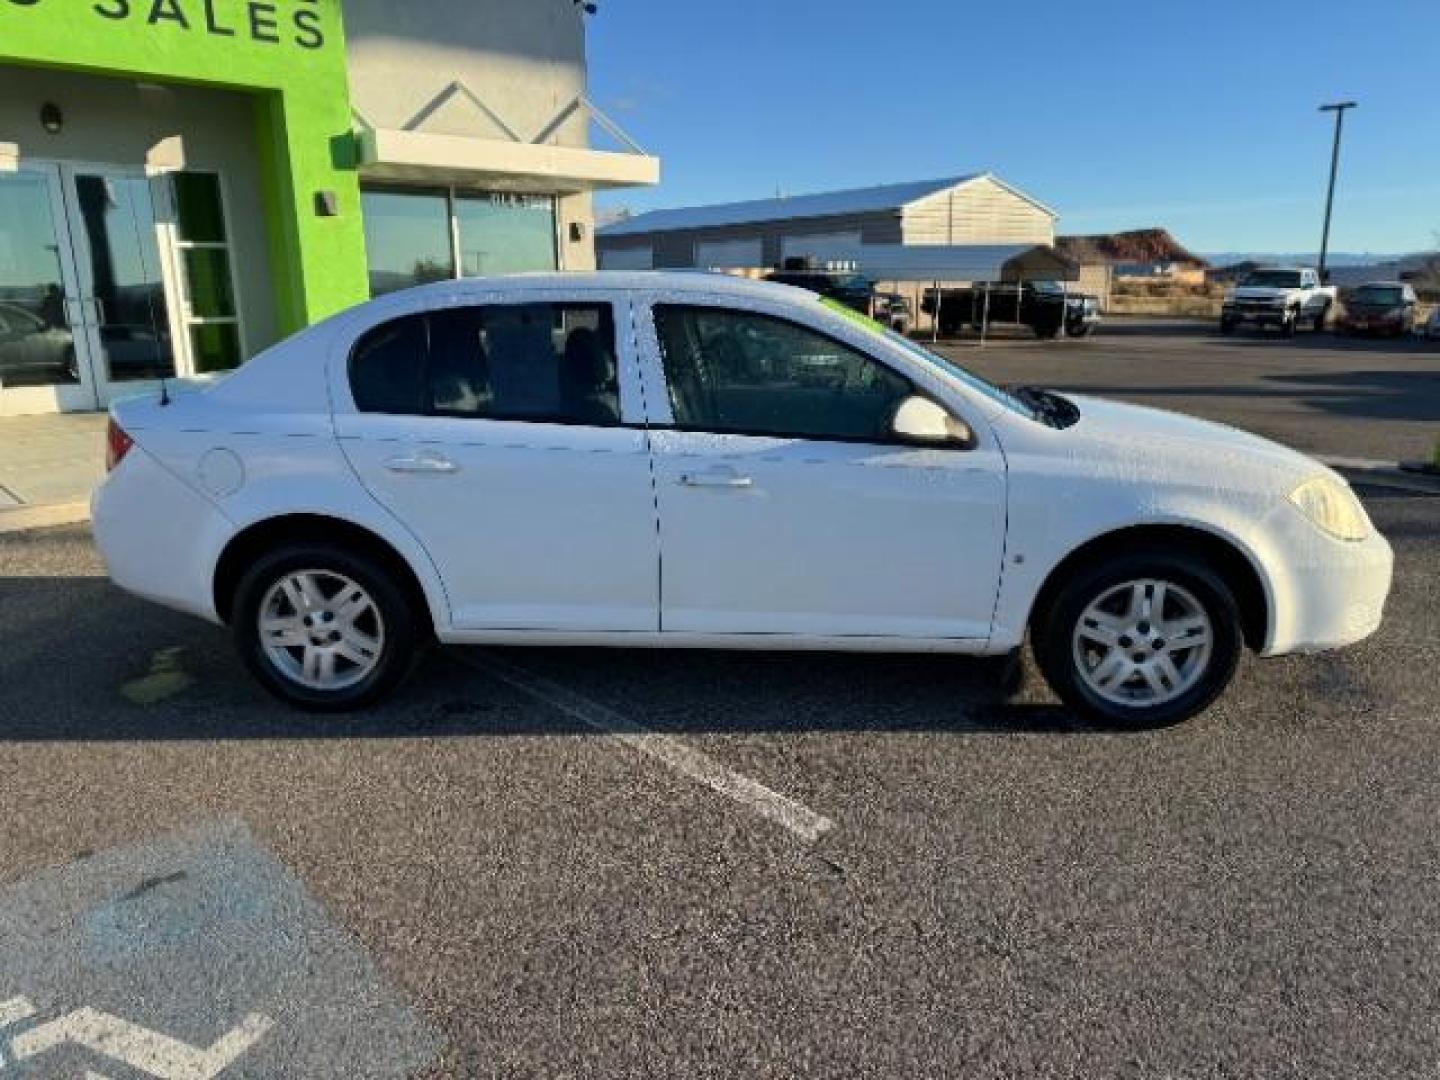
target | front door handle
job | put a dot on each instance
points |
(424, 462)
(716, 478)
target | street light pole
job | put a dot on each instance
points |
(1338, 108)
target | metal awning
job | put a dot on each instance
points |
(422, 157)
(534, 165)
(968, 262)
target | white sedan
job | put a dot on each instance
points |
(696, 461)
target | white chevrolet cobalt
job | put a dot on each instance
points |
(697, 461)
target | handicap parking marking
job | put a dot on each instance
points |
(796, 818)
(138, 1047)
(190, 957)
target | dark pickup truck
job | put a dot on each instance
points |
(1045, 307)
(853, 290)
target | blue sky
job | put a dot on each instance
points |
(1118, 113)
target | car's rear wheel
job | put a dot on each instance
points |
(1145, 639)
(1320, 318)
(323, 628)
(1227, 326)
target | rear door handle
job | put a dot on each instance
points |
(423, 462)
(716, 478)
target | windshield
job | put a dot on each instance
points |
(935, 360)
(1274, 279)
(1388, 295)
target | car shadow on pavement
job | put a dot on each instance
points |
(84, 662)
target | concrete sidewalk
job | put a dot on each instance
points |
(48, 467)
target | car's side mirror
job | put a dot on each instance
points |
(922, 422)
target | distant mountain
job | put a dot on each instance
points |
(1132, 246)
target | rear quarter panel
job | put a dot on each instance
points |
(262, 445)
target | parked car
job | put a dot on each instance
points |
(1380, 307)
(855, 291)
(1044, 306)
(1432, 326)
(1282, 297)
(33, 352)
(893, 310)
(696, 461)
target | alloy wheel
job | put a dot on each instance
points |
(321, 629)
(1142, 643)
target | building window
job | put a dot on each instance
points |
(211, 316)
(505, 234)
(407, 238)
(414, 236)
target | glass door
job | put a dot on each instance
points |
(44, 362)
(125, 297)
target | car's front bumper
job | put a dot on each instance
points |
(1328, 593)
(1267, 316)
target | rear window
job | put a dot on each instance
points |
(545, 363)
(1380, 294)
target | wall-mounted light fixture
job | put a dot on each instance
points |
(51, 118)
(327, 204)
(577, 231)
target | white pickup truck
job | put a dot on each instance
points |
(1286, 297)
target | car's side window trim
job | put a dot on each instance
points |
(850, 440)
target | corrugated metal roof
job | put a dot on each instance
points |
(961, 262)
(830, 203)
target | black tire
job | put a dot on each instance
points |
(1227, 326)
(404, 627)
(1320, 319)
(1053, 634)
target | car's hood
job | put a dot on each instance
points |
(1141, 441)
(1262, 292)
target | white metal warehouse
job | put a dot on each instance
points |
(978, 209)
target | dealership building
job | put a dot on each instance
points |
(185, 182)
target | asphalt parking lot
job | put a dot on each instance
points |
(612, 863)
(1323, 393)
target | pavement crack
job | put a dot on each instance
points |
(152, 883)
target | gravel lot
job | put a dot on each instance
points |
(999, 892)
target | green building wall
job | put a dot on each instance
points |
(290, 56)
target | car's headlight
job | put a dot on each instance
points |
(1333, 507)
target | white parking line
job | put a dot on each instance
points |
(783, 811)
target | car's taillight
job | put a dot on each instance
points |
(117, 445)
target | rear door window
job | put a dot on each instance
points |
(544, 363)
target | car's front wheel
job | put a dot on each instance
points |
(1145, 639)
(324, 628)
